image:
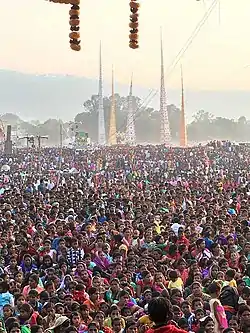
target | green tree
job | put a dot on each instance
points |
(201, 127)
(203, 116)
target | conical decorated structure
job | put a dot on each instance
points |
(165, 130)
(101, 123)
(112, 140)
(183, 130)
(130, 129)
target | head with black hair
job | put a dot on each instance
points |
(214, 289)
(36, 329)
(4, 287)
(244, 315)
(131, 326)
(206, 324)
(15, 327)
(183, 324)
(160, 311)
(9, 322)
(229, 330)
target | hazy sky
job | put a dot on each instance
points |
(35, 40)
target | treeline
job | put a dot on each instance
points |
(147, 122)
(203, 127)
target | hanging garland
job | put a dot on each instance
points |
(74, 25)
(74, 22)
(134, 24)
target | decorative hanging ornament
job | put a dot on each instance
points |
(134, 24)
(74, 22)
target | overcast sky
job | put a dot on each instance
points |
(34, 39)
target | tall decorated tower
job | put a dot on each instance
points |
(101, 123)
(165, 130)
(183, 130)
(130, 129)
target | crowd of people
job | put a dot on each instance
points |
(125, 240)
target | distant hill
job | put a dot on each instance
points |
(54, 96)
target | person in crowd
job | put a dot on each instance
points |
(217, 311)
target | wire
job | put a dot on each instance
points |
(175, 61)
(192, 37)
(219, 12)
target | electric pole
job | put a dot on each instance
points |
(29, 140)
